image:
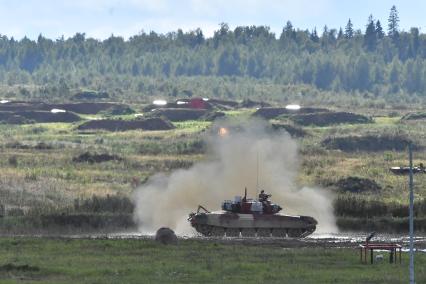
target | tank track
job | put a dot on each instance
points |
(216, 231)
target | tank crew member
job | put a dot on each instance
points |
(263, 196)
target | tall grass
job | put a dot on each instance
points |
(362, 207)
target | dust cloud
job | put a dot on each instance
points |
(249, 153)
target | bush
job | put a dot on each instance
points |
(100, 204)
(359, 207)
(13, 161)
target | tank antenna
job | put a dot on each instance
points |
(257, 171)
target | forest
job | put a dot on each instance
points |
(379, 63)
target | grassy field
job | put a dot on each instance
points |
(38, 174)
(24, 260)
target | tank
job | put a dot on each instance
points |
(250, 218)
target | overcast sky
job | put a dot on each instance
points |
(101, 18)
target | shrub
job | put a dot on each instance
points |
(13, 161)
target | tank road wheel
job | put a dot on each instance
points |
(294, 233)
(248, 232)
(217, 232)
(232, 232)
(204, 230)
(263, 232)
(279, 233)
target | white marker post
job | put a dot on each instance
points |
(411, 217)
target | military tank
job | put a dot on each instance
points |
(250, 218)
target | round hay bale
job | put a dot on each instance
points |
(166, 236)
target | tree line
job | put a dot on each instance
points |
(375, 60)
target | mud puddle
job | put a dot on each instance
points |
(323, 240)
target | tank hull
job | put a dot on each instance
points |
(223, 223)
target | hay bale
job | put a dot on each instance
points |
(166, 236)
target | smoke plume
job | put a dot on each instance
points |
(245, 155)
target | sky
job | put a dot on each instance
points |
(101, 18)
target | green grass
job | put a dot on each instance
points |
(31, 176)
(144, 261)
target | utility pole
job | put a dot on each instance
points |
(412, 281)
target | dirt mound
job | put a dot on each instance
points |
(223, 104)
(166, 236)
(294, 131)
(272, 112)
(20, 117)
(414, 116)
(369, 143)
(152, 107)
(90, 95)
(90, 158)
(123, 125)
(357, 184)
(213, 115)
(179, 114)
(22, 106)
(21, 146)
(328, 118)
(118, 110)
(89, 108)
(83, 108)
(247, 103)
(9, 267)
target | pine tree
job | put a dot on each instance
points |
(415, 41)
(379, 30)
(340, 35)
(349, 30)
(393, 23)
(314, 35)
(370, 38)
(288, 31)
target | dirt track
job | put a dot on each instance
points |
(340, 240)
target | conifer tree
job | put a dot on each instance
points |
(349, 30)
(340, 34)
(379, 30)
(393, 23)
(370, 38)
(314, 35)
